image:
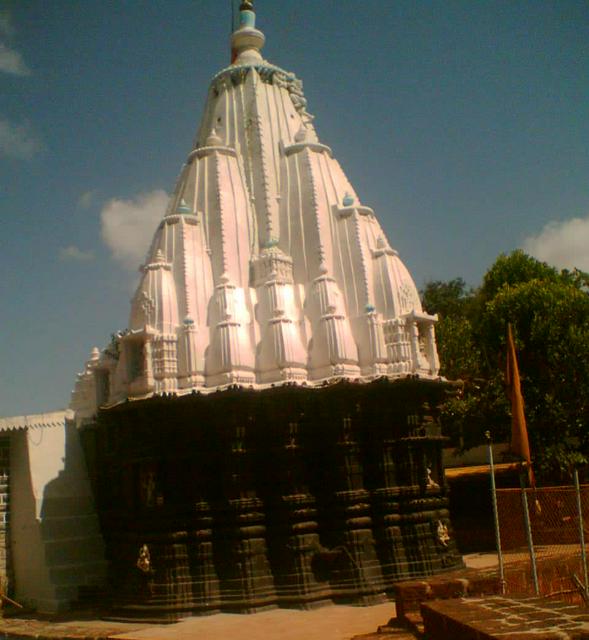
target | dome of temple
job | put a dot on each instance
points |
(266, 267)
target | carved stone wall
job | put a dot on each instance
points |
(243, 500)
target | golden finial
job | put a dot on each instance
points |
(246, 5)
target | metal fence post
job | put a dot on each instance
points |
(495, 512)
(581, 531)
(528, 528)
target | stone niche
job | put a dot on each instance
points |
(242, 500)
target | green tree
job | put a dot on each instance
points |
(446, 298)
(460, 359)
(549, 310)
(513, 269)
(551, 323)
(454, 303)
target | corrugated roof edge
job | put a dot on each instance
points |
(36, 421)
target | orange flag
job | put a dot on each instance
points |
(520, 445)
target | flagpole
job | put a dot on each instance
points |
(520, 444)
(528, 528)
(495, 513)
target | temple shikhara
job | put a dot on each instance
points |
(265, 432)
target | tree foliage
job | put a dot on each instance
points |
(549, 311)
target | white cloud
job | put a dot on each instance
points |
(18, 140)
(12, 62)
(75, 254)
(564, 244)
(87, 199)
(128, 226)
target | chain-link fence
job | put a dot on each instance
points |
(555, 531)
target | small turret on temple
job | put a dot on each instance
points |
(275, 396)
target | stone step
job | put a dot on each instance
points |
(388, 634)
(391, 631)
(410, 594)
(414, 623)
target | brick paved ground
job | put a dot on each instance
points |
(502, 618)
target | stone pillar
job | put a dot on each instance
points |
(203, 574)
(156, 518)
(292, 525)
(413, 330)
(241, 554)
(356, 574)
(425, 518)
(184, 574)
(432, 352)
(389, 457)
(178, 531)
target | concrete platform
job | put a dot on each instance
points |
(327, 623)
(332, 622)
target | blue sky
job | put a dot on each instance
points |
(464, 124)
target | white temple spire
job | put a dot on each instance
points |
(267, 267)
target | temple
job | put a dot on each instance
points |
(266, 432)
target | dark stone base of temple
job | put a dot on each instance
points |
(243, 500)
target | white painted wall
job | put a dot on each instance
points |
(54, 536)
